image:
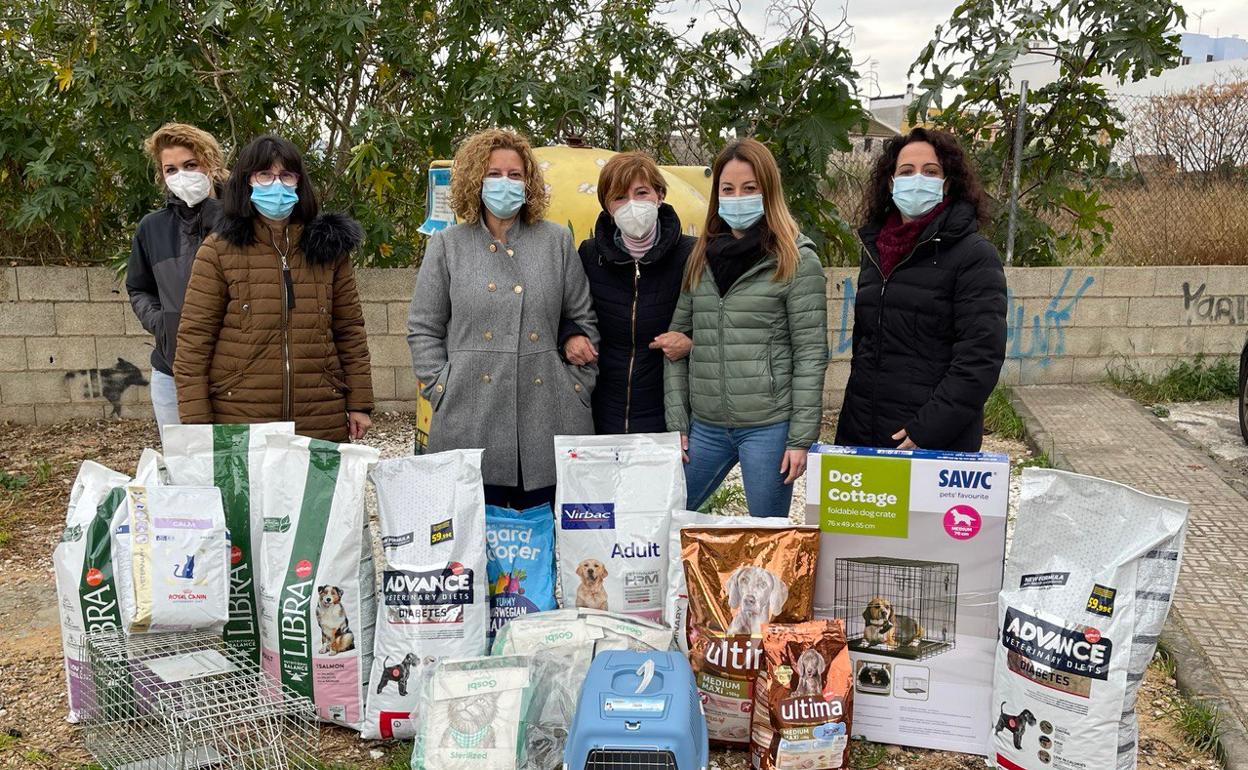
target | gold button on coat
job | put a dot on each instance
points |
(488, 336)
(493, 247)
(485, 378)
(439, 388)
(534, 336)
(519, 289)
(491, 286)
(577, 387)
(537, 380)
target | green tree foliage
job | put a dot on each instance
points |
(375, 90)
(1072, 122)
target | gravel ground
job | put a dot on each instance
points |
(1212, 424)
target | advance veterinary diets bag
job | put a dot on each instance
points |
(432, 512)
(613, 501)
(1080, 616)
(85, 586)
(229, 456)
(317, 601)
(520, 552)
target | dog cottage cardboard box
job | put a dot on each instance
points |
(911, 556)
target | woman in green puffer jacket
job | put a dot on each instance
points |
(751, 391)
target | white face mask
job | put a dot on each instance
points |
(191, 187)
(636, 218)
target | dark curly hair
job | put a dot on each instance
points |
(877, 197)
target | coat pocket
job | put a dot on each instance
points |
(337, 383)
(226, 383)
(167, 342)
(434, 391)
(581, 392)
(771, 367)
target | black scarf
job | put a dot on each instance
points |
(730, 258)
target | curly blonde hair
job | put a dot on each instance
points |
(472, 161)
(203, 144)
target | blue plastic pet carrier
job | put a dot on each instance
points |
(638, 711)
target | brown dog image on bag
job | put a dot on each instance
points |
(885, 628)
(331, 616)
(591, 593)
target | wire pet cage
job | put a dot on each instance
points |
(915, 685)
(186, 701)
(901, 608)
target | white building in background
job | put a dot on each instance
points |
(891, 110)
(1202, 49)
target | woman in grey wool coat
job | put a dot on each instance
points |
(484, 323)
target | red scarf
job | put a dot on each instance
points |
(897, 238)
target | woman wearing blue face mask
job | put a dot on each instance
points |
(751, 391)
(484, 323)
(929, 317)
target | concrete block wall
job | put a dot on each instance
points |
(70, 347)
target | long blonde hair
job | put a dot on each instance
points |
(780, 236)
(472, 161)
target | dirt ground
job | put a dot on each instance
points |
(39, 464)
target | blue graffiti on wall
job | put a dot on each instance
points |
(1040, 338)
(845, 337)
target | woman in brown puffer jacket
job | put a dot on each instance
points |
(272, 327)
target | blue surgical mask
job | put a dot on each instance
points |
(502, 196)
(275, 200)
(742, 211)
(916, 195)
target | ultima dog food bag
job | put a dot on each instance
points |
(520, 547)
(1080, 616)
(739, 580)
(433, 587)
(803, 698)
(475, 712)
(85, 586)
(613, 501)
(317, 601)
(229, 457)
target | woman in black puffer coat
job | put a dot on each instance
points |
(929, 318)
(634, 262)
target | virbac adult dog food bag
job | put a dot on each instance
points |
(1088, 585)
(739, 580)
(317, 602)
(520, 548)
(803, 698)
(433, 587)
(613, 500)
(475, 713)
(229, 457)
(86, 588)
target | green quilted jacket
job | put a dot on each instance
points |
(759, 353)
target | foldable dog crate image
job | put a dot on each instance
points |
(915, 685)
(903, 608)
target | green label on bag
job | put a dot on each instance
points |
(231, 474)
(101, 610)
(864, 495)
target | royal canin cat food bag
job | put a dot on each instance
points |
(613, 502)
(1088, 584)
(434, 603)
(317, 601)
(520, 547)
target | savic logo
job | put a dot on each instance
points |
(965, 479)
(587, 516)
(450, 585)
(1061, 649)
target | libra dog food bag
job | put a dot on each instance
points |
(475, 712)
(739, 580)
(1079, 620)
(229, 457)
(317, 601)
(613, 502)
(520, 551)
(86, 588)
(433, 587)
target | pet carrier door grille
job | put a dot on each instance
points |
(630, 759)
(901, 608)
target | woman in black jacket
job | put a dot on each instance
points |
(634, 262)
(929, 318)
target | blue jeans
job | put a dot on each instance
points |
(713, 451)
(164, 399)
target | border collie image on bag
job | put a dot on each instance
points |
(1071, 658)
(317, 601)
(433, 587)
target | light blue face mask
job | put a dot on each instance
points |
(275, 200)
(742, 211)
(502, 196)
(916, 195)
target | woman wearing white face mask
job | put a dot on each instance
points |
(929, 317)
(634, 263)
(189, 167)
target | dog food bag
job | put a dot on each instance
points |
(433, 588)
(317, 600)
(475, 710)
(520, 547)
(740, 579)
(613, 499)
(229, 457)
(85, 585)
(179, 559)
(803, 698)
(1088, 585)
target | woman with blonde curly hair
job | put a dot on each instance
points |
(484, 323)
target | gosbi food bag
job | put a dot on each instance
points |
(229, 457)
(1080, 616)
(317, 603)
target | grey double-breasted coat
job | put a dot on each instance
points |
(484, 332)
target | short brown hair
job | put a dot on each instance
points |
(203, 144)
(472, 161)
(618, 174)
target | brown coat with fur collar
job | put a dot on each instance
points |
(246, 355)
